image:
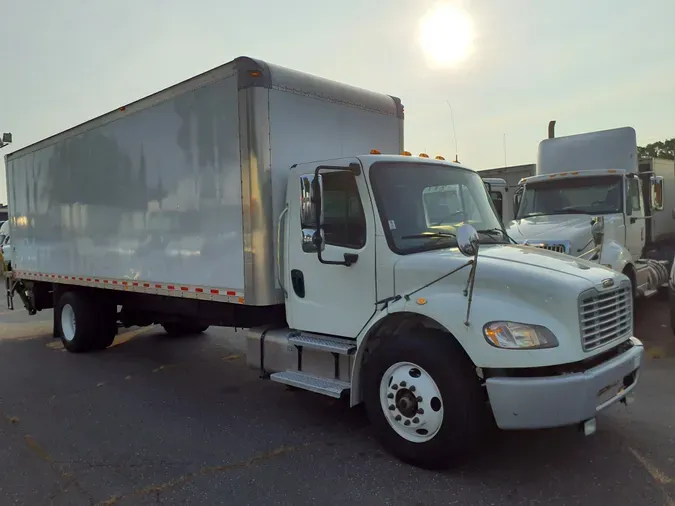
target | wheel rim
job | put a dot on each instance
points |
(411, 402)
(68, 325)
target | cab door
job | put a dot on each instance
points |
(635, 218)
(334, 292)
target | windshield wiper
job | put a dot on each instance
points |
(494, 231)
(553, 213)
(424, 235)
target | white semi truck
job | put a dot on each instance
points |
(593, 198)
(243, 198)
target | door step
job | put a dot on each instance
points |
(330, 387)
(321, 343)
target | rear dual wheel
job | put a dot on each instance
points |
(86, 322)
(178, 329)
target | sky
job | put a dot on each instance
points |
(588, 64)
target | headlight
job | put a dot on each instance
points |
(518, 336)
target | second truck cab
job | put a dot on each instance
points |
(592, 198)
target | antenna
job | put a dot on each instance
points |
(504, 150)
(454, 133)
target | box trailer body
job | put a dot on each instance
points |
(511, 174)
(181, 189)
(260, 197)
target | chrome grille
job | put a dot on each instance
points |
(558, 248)
(605, 316)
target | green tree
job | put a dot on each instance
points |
(661, 149)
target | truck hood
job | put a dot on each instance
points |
(571, 231)
(500, 264)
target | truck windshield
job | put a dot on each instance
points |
(582, 195)
(423, 204)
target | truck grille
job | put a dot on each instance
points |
(558, 248)
(605, 316)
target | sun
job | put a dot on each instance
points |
(446, 35)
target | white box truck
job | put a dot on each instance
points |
(593, 198)
(246, 197)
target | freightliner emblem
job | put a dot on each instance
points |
(606, 283)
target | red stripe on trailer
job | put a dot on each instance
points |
(129, 284)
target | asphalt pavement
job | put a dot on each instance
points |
(159, 420)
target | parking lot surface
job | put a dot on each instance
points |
(159, 420)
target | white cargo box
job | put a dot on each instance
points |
(179, 192)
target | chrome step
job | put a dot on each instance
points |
(320, 343)
(325, 386)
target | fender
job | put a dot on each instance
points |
(446, 310)
(615, 256)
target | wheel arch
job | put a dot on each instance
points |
(391, 325)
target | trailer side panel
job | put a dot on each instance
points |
(154, 195)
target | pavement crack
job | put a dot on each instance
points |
(183, 480)
(67, 479)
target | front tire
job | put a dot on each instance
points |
(424, 400)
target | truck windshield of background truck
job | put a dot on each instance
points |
(422, 205)
(579, 195)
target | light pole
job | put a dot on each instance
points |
(6, 139)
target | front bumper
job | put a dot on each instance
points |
(555, 401)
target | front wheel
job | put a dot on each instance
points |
(424, 400)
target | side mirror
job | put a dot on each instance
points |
(598, 230)
(467, 240)
(657, 192)
(311, 201)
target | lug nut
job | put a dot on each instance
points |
(407, 422)
(412, 388)
(403, 383)
(418, 399)
(420, 411)
(390, 396)
(392, 407)
(397, 418)
(416, 420)
(394, 386)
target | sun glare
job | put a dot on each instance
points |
(446, 35)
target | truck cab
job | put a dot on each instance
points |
(402, 290)
(593, 199)
(498, 190)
